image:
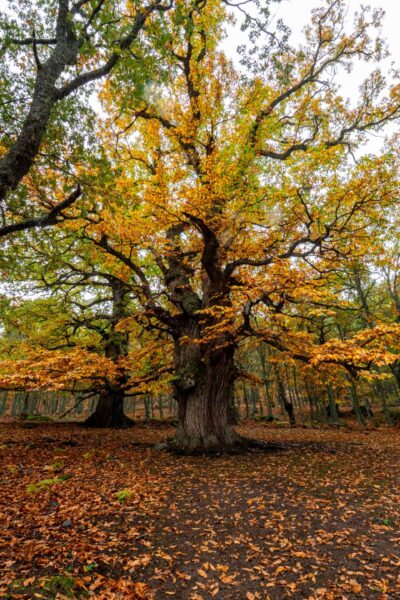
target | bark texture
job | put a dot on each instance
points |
(17, 162)
(204, 391)
(109, 411)
(204, 371)
(65, 51)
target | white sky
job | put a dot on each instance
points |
(296, 14)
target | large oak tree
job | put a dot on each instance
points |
(246, 197)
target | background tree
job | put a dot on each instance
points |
(75, 308)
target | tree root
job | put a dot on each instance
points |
(241, 445)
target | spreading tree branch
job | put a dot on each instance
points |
(46, 220)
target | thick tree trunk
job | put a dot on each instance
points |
(204, 396)
(109, 411)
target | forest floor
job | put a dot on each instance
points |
(101, 514)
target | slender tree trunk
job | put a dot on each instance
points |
(263, 360)
(246, 401)
(333, 409)
(381, 394)
(286, 403)
(255, 398)
(146, 404)
(313, 406)
(356, 404)
(298, 396)
(260, 404)
(368, 407)
(234, 410)
(160, 406)
(270, 404)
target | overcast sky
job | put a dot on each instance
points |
(296, 14)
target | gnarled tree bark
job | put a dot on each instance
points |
(109, 411)
(204, 391)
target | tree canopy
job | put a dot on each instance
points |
(216, 207)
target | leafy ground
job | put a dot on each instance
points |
(101, 514)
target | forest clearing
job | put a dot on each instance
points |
(317, 517)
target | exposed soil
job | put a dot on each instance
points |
(316, 517)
